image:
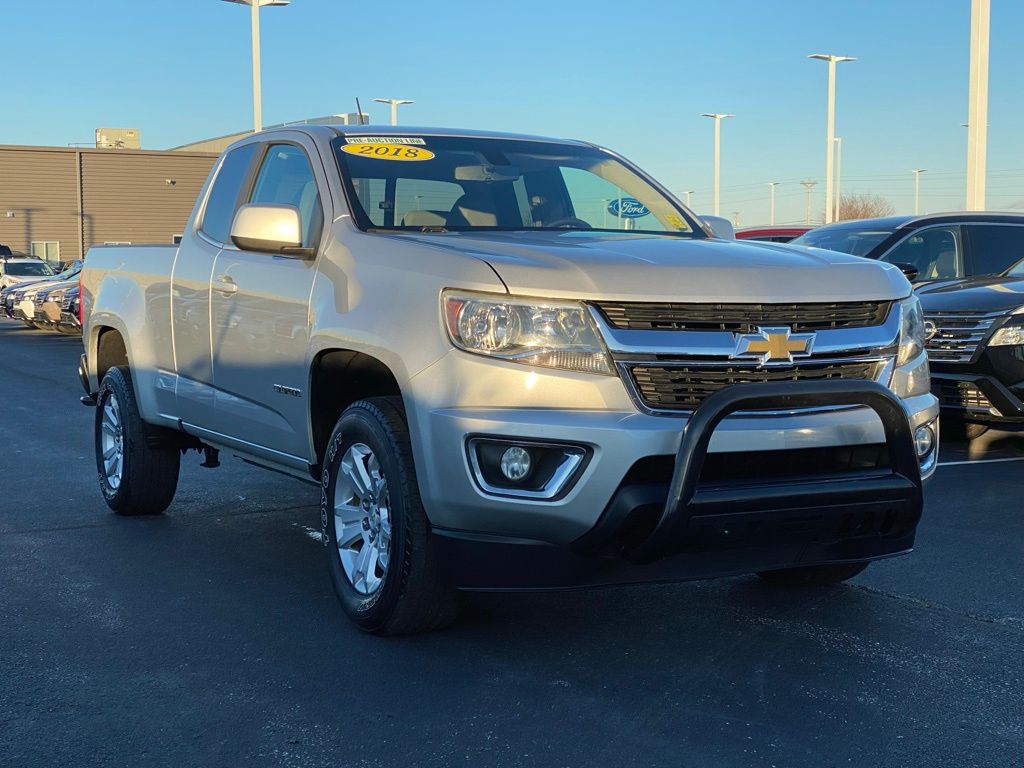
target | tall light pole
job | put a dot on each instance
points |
(808, 185)
(395, 103)
(917, 189)
(718, 116)
(257, 106)
(831, 124)
(688, 194)
(977, 106)
(771, 201)
(839, 176)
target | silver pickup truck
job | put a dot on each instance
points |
(511, 363)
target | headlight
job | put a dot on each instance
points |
(552, 334)
(911, 330)
(55, 296)
(1010, 335)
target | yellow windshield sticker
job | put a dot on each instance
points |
(384, 140)
(675, 220)
(389, 152)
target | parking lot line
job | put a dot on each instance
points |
(980, 461)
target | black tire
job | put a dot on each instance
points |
(813, 575)
(958, 429)
(413, 595)
(149, 472)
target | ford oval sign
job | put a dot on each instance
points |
(628, 208)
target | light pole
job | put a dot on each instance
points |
(257, 106)
(808, 185)
(688, 193)
(718, 147)
(977, 106)
(839, 177)
(917, 189)
(771, 201)
(395, 103)
(831, 124)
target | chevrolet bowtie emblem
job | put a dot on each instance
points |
(774, 345)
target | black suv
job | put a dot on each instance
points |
(974, 332)
(941, 246)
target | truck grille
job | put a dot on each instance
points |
(963, 394)
(65, 303)
(685, 387)
(958, 334)
(743, 318)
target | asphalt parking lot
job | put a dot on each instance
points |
(209, 636)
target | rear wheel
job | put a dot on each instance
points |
(377, 537)
(137, 475)
(813, 575)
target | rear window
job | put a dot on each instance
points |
(28, 269)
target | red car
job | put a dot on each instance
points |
(775, 234)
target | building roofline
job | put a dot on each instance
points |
(101, 150)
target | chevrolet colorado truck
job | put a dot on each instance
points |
(510, 363)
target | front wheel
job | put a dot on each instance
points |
(813, 575)
(377, 537)
(958, 429)
(137, 475)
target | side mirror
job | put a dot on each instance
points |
(909, 270)
(270, 229)
(720, 227)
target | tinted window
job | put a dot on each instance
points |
(223, 199)
(29, 269)
(286, 178)
(935, 252)
(994, 248)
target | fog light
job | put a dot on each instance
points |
(515, 463)
(924, 440)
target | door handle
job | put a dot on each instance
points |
(224, 284)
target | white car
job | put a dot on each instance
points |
(21, 269)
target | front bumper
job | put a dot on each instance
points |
(690, 528)
(988, 390)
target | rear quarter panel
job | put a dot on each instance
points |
(128, 289)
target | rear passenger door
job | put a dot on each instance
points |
(994, 248)
(260, 314)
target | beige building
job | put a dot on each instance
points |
(55, 202)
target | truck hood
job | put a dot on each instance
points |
(592, 265)
(973, 294)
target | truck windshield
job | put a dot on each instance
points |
(28, 269)
(453, 183)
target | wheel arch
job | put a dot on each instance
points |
(338, 378)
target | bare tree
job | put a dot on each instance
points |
(864, 207)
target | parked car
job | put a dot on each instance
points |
(70, 321)
(942, 246)
(48, 303)
(781, 233)
(490, 378)
(13, 296)
(974, 331)
(18, 269)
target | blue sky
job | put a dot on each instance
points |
(633, 76)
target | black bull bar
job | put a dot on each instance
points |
(898, 488)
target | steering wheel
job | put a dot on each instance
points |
(568, 222)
